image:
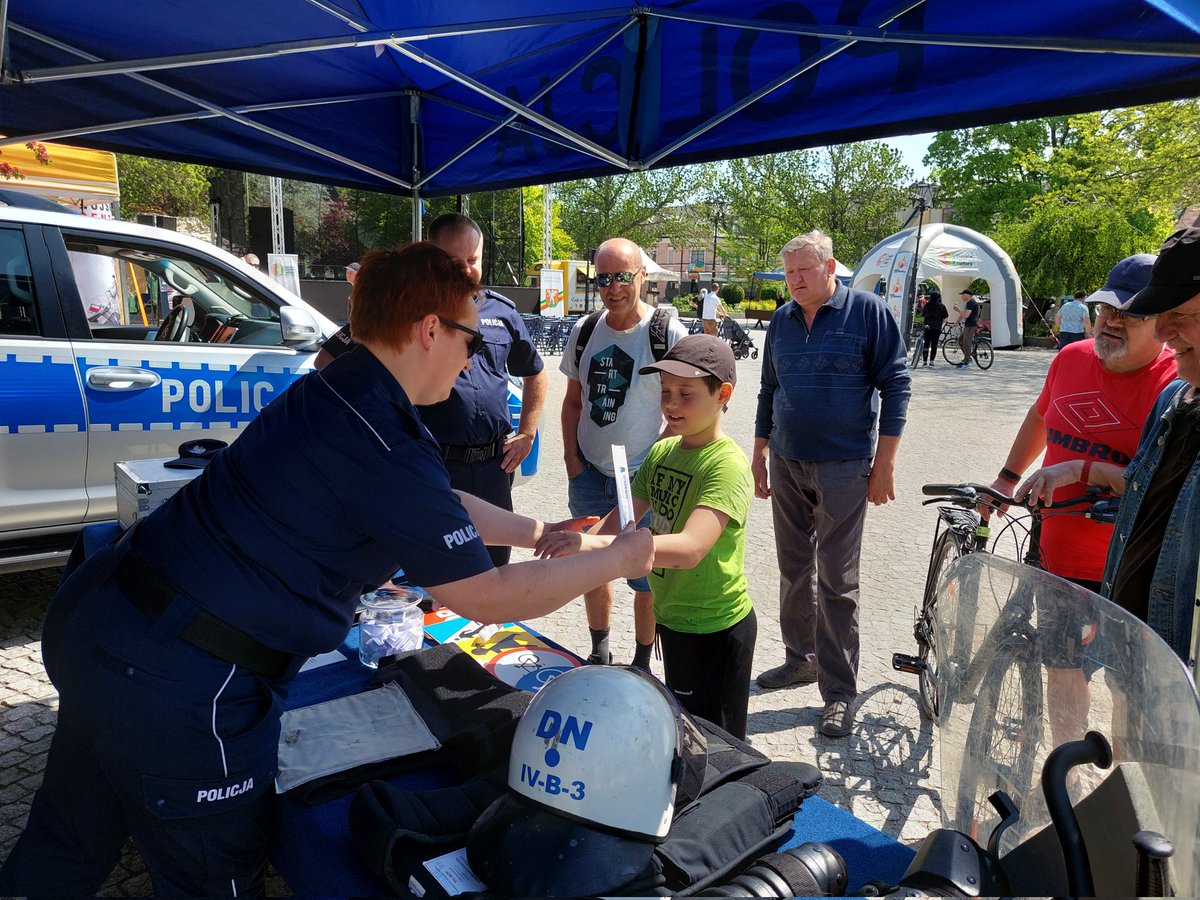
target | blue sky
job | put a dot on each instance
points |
(913, 147)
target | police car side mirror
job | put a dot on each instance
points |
(299, 328)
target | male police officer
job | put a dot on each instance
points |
(473, 427)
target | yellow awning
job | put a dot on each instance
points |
(73, 173)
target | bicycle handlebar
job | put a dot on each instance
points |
(968, 495)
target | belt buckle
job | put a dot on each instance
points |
(477, 454)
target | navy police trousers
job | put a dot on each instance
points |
(156, 740)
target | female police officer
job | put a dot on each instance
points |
(172, 649)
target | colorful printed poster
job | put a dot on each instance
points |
(511, 652)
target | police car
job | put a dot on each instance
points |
(119, 342)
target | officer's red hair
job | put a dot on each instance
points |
(395, 289)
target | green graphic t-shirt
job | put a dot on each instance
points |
(715, 594)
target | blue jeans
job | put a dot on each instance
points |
(592, 493)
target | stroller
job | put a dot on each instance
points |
(739, 339)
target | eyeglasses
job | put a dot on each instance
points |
(604, 279)
(1104, 311)
(475, 344)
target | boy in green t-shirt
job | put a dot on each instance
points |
(697, 485)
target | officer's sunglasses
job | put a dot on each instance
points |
(604, 279)
(475, 344)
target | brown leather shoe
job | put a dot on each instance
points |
(836, 720)
(786, 676)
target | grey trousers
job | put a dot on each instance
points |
(819, 509)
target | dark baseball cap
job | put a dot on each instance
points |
(695, 356)
(196, 454)
(1176, 275)
(1125, 279)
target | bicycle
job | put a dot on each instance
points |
(918, 352)
(961, 530)
(1007, 686)
(981, 347)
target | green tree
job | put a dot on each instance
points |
(641, 206)
(562, 246)
(857, 190)
(1064, 247)
(990, 174)
(852, 192)
(163, 187)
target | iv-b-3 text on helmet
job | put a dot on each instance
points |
(608, 745)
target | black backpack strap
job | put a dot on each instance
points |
(585, 334)
(660, 325)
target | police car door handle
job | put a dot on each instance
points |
(122, 378)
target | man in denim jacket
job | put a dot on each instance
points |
(1152, 560)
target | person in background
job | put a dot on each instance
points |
(1072, 321)
(352, 272)
(172, 649)
(1092, 406)
(608, 401)
(935, 314)
(968, 317)
(473, 426)
(251, 259)
(711, 308)
(832, 406)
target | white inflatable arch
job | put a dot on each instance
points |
(953, 258)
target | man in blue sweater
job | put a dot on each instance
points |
(834, 386)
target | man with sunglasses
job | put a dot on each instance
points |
(473, 427)
(607, 402)
(1092, 406)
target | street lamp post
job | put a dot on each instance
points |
(922, 199)
(718, 210)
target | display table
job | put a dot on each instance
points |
(315, 855)
(314, 852)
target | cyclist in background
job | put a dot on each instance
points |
(968, 316)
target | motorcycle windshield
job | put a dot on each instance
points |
(1029, 661)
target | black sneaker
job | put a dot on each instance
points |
(595, 659)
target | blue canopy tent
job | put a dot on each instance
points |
(439, 98)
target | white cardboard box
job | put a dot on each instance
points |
(143, 485)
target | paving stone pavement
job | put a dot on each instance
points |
(886, 771)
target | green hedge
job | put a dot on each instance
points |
(733, 295)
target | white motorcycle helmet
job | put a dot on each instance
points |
(601, 758)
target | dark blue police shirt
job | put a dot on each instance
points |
(333, 487)
(476, 412)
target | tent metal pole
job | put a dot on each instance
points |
(996, 42)
(587, 57)
(815, 60)
(581, 143)
(414, 121)
(200, 115)
(3, 38)
(372, 38)
(227, 113)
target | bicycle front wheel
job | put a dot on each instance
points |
(1007, 724)
(918, 352)
(952, 351)
(945, 552)
(983, 354)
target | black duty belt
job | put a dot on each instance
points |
(152, 594)
(481, 453)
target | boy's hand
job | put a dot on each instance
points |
(578, 523)
(553, 544)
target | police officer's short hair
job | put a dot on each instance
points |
(395, 289)
(451, 224)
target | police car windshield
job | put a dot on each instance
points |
(211, 290)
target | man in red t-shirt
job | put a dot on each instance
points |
(1093, 405)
